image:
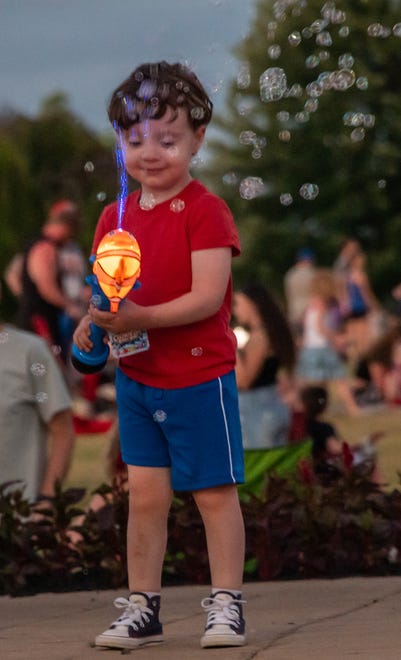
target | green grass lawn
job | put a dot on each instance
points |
(89, 462)
(88, 465)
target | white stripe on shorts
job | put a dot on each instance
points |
(227, 433)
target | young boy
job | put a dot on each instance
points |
(177, 401)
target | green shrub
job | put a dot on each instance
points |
(299, 527)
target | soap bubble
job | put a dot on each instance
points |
(295, 90)
(358, 134)
(343, 31)
(342, 80)
(38, 369)
(197, 351)
(147, 202)
(314, 89)
(346, 61)
(274, 52)
(294, 39)
(307, 33)
(273, 84)
(89, 166)
(301, 117)
(96, 300)
(160, 416)
(197, 113)
(397, 30)
(197, 161)
(375, 30)
(230, 179)
(362, 83)
(283, 115)
(251, 187)
(244, 76)
(101, 196)
(369, 120)
(312, 61)
(41, 397)
(324, 79)
(286, 199)
(324, 39)
(177, 205)
(318, 25)
(311, 105)
(284, 136)
(309, 191)
(247, 137)
(381, 184)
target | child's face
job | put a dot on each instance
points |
(158, 153)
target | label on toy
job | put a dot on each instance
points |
(129, 343)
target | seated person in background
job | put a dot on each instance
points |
(376, 373)
(392, 377)
(320, 357)
(330, 453)
(35, 407)
(264, 361)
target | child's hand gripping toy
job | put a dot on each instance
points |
(116, 268)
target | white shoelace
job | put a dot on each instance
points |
(222, 611)
(135, 614)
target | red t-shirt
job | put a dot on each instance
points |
(185, 355)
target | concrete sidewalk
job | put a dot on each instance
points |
(300, 620)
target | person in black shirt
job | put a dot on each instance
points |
(330, 453)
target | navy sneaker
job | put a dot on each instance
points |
(138, 625)
(225, 624)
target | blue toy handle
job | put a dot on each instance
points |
(89, 362)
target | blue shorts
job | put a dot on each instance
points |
(195, 431)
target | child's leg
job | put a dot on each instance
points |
(149, 503)
(345, 393)
(221, 514)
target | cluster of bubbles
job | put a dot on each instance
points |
(250, 138)
(273, 85)
(383, 31)
(308, 191)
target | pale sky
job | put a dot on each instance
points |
(86, 47)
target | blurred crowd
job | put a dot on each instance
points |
(329, 342)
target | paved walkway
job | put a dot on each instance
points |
(301, 620)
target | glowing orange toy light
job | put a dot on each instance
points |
(117, 265)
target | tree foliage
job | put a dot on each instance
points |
(337, 126)
(46, 158)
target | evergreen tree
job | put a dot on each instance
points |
(333, 122)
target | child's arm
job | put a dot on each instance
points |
(210, 276)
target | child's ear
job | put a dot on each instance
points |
(199, 135)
